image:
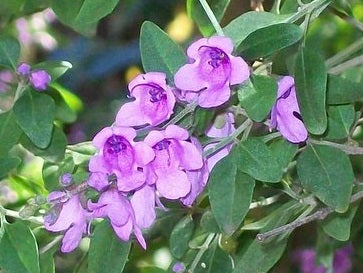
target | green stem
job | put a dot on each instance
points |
(227, 140)
(188, 109)
(305, 9)
(201, 251)
(266, 202)
(346, 65)
(212, 17)
(15, 214)
(19, 91)
(344, 54)
(351, 150)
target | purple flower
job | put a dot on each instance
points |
(117, 208)
(173, 157)
(211, 71)
(118, 154)
(285, 114)
(198, 178)
(153, 104)
(39, 79)
(306, 259)
(67, 215)
(66, 179)
(143, 204)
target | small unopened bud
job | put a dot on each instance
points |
(178, 267)
(66, 179)
(28, 211)
(52, 215)
(23, 69)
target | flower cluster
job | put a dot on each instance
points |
(132, 173)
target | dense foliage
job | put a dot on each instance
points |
(239, 151)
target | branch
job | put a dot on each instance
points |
(212, 17)
(318, 215)
(350, 150)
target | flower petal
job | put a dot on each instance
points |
(191, 158)
(240, 71)
(143, 204)
(130, 115)
(72, 238)
(173, 184)
(174, 131)
(214, 97)
(144, 153)
(188, 78)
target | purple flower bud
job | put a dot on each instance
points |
(23, 69)
(285, 114)
(178, 267)
(39, 79)
(211, 71)
(66, 179)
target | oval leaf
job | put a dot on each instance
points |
(230, 194)
(159, 52)
(340, 120)
(257, 96)
(242, 26)
(342, 91)
(257, 160)
(107, 253)
(268, 40)
(330, 180)
(310, 80)
(35, 113)
(10, 132)
(180, 236)
(9, 52)
(18, 249)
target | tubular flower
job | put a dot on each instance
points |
(153, 104)
(67, 215)
(211, 71)
(118, 154)
(173, 157)
(117, 208)
(285, 114)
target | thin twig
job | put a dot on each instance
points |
(351, 150)
(344, 54)
(266, 202)
(188, 109)
(346, 65)
(320, 214)
(50, 244)
(227, 140)
(200, 253)
(15, 214)
(212, 17)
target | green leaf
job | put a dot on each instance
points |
(342, 91)
(9, 52)
(340, 120)
(257, 96)
(159, 52)
(51, 172)
(257, 160)
(10, 132)
(259, 258)
(248, 22)
(82, 15)
(35, 113)
(197, 13)
(230, 194)
(55, 150)
(54, 68)
(208, 222)
(7, 164)
(215, 260)
(203, 118)
(268, 40)
(107, 253)
(151, 269)
(18, 249)
(310, 80)
(180, 236)
(283, 152)
(337, 225)
(330, 180)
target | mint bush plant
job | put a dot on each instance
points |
(225, 147)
